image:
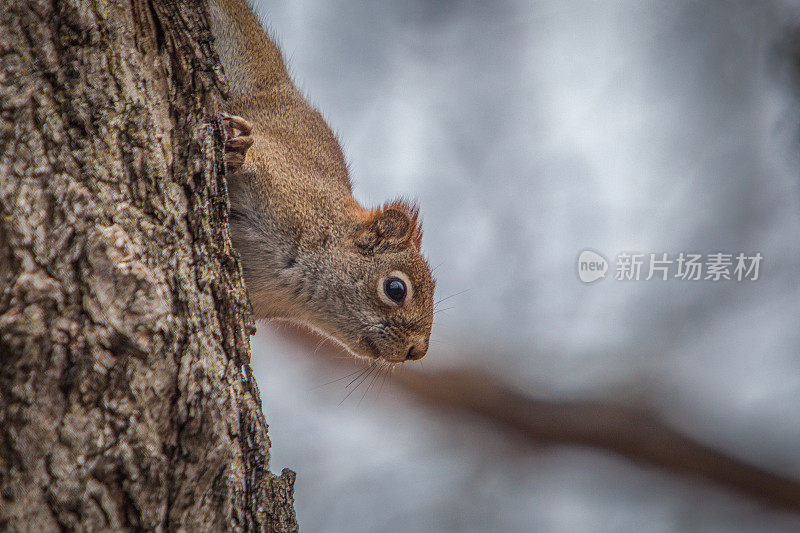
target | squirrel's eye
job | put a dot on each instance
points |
(395, 289)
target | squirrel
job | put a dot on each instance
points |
(310, 252)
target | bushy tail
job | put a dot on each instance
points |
(252, 62)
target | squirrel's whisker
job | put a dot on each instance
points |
(459, 293)
(364, 371)
(385, 371)
(338, 379)
(366, 374)
(375, 375)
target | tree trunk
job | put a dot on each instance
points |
(126, 396)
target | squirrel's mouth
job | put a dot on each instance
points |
(372, 349)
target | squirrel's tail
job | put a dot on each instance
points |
(250, 59)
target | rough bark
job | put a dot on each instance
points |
(126, 397)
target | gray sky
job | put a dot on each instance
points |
(530, 131)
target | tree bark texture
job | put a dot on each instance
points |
(126, 396)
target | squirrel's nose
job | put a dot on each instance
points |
(417, 350)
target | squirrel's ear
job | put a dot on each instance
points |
(392, 227)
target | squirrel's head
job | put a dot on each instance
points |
(383, 305)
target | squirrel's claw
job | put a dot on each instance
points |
(237, 131)
(233, 123)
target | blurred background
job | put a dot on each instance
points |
(530, 131)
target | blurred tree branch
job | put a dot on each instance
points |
(637, 434)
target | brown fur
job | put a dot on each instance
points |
(310, 252)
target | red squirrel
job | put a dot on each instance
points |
(310, 252)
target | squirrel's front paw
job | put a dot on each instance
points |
(238, 141)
